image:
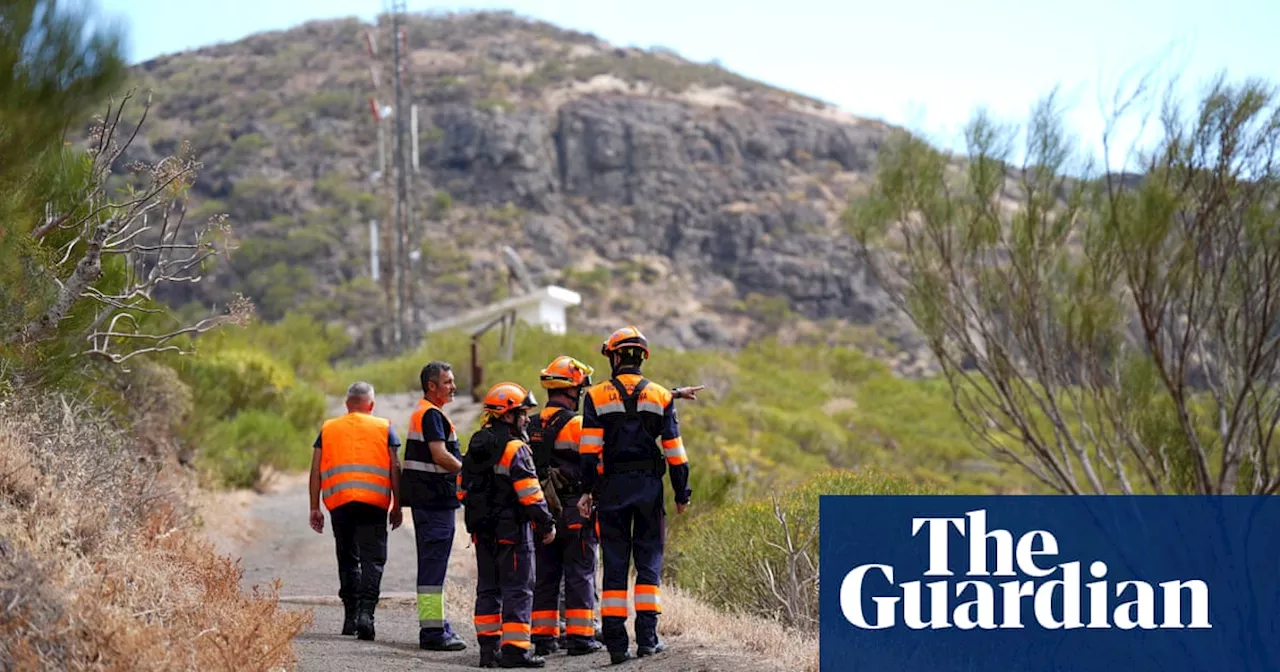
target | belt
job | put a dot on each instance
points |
(634, 465)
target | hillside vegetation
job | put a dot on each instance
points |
(771, 414)
(101, 566)
(699, 205)
(101, 562)
(678, 195)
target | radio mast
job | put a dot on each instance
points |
(402, 175)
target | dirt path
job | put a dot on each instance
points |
(275, 541)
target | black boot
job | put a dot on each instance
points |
(448, 641)
(349, 617)
(517, 657)
(364, 620)
(488, 652)
(581, 647)
(616, 657)
(642, 651)
(546, 647)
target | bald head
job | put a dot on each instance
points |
(360, 397)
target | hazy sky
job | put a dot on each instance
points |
(925, 64)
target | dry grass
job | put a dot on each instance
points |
(692, 620)
(99, 569)
(686, 621)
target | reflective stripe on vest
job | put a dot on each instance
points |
(418, 454)
(355, 461)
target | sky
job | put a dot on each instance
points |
(928, 65)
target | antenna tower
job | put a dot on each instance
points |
(402, 175)
(396, 181)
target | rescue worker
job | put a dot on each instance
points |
(622, 464)
(571, 558)
(504, 511)
(354, 467)
(432, 458)
(566, 618)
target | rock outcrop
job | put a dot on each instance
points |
(673, 195)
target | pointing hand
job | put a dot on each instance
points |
(689, 392)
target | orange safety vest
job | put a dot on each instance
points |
(355, 461)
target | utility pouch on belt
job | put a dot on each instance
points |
(552, 497)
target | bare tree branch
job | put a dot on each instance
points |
(146, 226)
(1103, 332)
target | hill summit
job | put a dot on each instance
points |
(676, 195)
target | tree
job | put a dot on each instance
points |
(88, 234)
(1108, 332)
(52, 76)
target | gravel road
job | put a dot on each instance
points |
(275, 542)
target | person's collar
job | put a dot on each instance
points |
(621, 370)
(560, 403)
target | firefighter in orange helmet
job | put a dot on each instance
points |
(554, 434)
(630, 438)
(504, 510)
(570, 560)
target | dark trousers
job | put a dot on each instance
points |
(571, 558)
(632, 525)
(360, 535)
(504, 594)
(433, 530)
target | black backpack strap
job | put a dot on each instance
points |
(629, 401)
(550, 430)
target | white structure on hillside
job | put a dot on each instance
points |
(545, 307)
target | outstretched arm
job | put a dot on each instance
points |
(690, 392)
(677, 459)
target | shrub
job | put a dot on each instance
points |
(251, 408)
(741, 556)
(99, 569)
(772, 414)
(236, 450)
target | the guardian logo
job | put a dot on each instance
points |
(1052, 594)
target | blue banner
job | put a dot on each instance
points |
(1052, 583)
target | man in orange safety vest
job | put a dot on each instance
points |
(355, 469)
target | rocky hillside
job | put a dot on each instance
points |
(676, 195)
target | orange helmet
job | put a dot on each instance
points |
(507, 396)
(565, 372)
(625, 338)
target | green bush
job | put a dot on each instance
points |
(772, 414)
(236, 450)
(722, 556)
(258, 397)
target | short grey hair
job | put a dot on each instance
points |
(360, 390)
(431, 373)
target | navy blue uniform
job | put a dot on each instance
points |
(504, 502)
(430, 491)
(571, 557)
(630, 437)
